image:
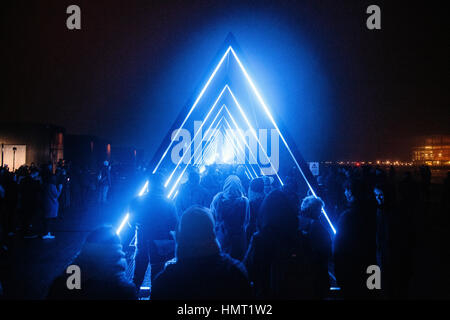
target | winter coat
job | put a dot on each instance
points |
(282, 267)
(103, 276)
(231, 216)
(191, 194)
(155, 216)
(354, 250)
(51, 193)
(213, 277)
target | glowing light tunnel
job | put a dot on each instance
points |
(192, 156)
(266, 110)
(194, 105)
(195, 135)
(253, 131)
(240, 146)
(210, 141)
(244, 140)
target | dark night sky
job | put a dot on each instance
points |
(134, 64)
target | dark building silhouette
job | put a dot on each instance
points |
(25, 143)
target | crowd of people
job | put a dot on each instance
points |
(221, 240)
(226, 236)
(32, 197)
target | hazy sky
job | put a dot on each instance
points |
(344, 92)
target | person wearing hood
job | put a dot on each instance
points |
(200, 270)
(50, 195)
(245, 181)
(231, 212)
(278, 259)
(255, 196)
(268, 184)
(102, 267)
(104, 182)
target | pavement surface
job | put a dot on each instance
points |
(28, 267)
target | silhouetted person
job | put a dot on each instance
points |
(211, 181)
(10, 202)
(103, 271)
(290, 188)
(50, 194)
(191, 193)
(200, 270)
(278, 258)
(268, 184)
(354, 245)
(155, 217)
(104, 182)
(30, 189)
(319, 240)
(389, 238)
(245, 181)
(230, 209)
(62, 178)
(255, 196)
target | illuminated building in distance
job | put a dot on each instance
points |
(432, 150)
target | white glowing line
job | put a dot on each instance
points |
(192, 140)
(206, 151)
(226, 156)
(210, 141)
(209, 132)
(182, 172)
(209, 144)
(211, 137)
(122, 224)
(240, 134)
(235, 149)
(243, 139)
(269, 115)
(254, 133)
(240, 146)
(193, 106)
(144, 189)
(266, 109)
(127, 216)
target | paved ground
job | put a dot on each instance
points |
(30, 265)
